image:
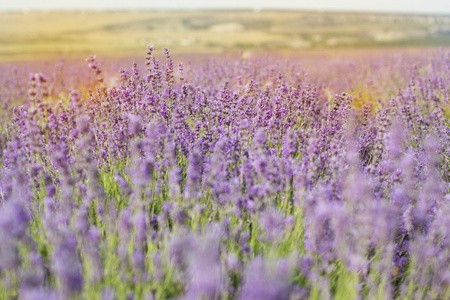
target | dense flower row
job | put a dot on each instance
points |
(233, 180)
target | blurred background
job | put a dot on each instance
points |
(32, 29)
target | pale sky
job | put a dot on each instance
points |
(407, 6)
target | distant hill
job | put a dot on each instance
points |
(128, 32)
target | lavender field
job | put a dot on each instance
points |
(246, 177)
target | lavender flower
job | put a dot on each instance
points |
(236, 179)
(67, 266)
(264, 282)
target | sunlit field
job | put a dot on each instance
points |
(231, 172)
(31, 35)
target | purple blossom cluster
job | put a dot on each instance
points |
(233, 179)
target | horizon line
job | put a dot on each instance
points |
(235, 9)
